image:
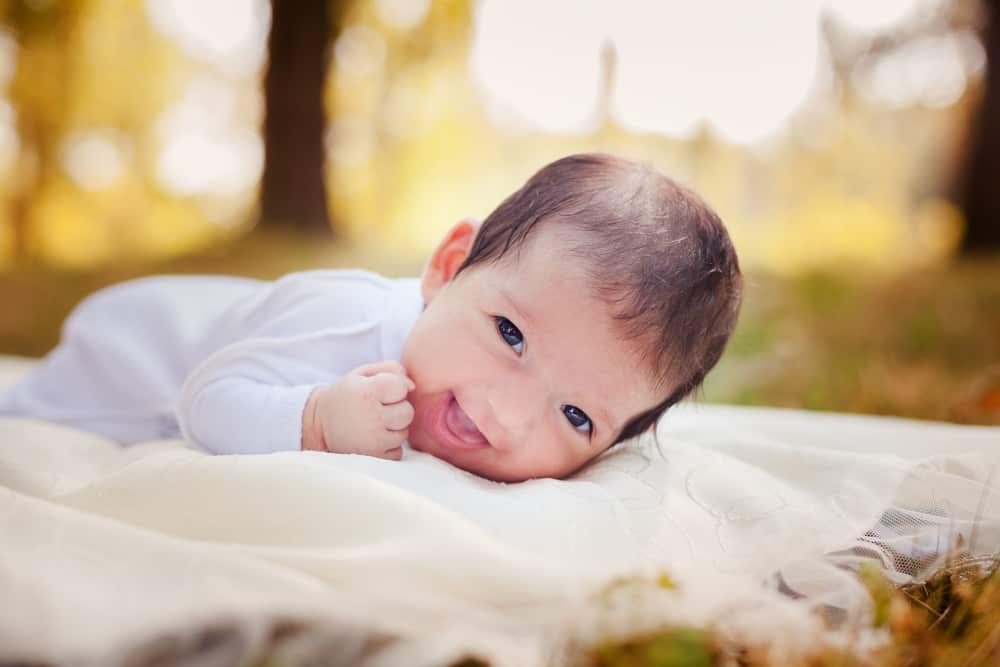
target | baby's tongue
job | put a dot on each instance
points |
(462, 426)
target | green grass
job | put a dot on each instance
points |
(925, 344)
(676, 647)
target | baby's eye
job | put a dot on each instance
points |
(578, 418)
(510, 333)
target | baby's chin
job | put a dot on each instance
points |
(423, 440)
(481, 463)
(485, 462)
(478, 462)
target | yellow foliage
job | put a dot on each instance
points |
(937, 228)
(96, 64)
(66, 231)
(171, 227)
(6, 244)
(828, 231)
(420, 152)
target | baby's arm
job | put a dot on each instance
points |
(299, 338)
(248, 398)
(241, 406)
(365, 412)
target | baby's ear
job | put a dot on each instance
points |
(447, 257)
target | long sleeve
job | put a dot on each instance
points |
(241, 413)
(307, 331)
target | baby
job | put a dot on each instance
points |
(589, 302)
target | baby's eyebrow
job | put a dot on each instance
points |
(522, 315)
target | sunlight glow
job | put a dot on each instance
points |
(10, 141)
(408, 111)
(927, 70)
(204, 150)
(8, 58)
(872, 17)
(679, 64)
(230, 34)
(402, 14)
(714, 62)
(544, 71)
(95, 158)
(359, 51)
(742, 69)
(350, 140)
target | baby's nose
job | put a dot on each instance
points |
(517, 408)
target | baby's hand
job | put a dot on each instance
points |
(365, 412)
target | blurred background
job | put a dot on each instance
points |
(852, 147)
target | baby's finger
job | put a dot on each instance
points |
(369, 370)
(397, 416)
(394, 454)
(389, 440)
(391, 387)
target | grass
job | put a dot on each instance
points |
(951, 620)
(924, 344)
(676, 647)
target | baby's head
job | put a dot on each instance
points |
(589, 302)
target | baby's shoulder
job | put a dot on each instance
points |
(357, 281)
(324, 298)
(354, 290)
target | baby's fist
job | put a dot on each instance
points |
(365, 412)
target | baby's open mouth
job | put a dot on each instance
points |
(466, 433)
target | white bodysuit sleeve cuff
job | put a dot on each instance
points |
(236, 415)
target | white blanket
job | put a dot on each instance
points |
(113, 555)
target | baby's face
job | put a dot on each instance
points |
(520, 371)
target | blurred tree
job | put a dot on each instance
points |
(84, 188)
(292, 186)
(979, 196)
(41, 96)
(974, 172)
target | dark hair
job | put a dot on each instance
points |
(654, 251)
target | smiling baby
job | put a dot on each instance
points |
(589, 302)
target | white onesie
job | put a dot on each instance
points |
(227, 362)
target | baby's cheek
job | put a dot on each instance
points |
(421, 362)
(454, 364)
(544, 458)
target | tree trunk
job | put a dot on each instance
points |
(979, 188)
(293, 192)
